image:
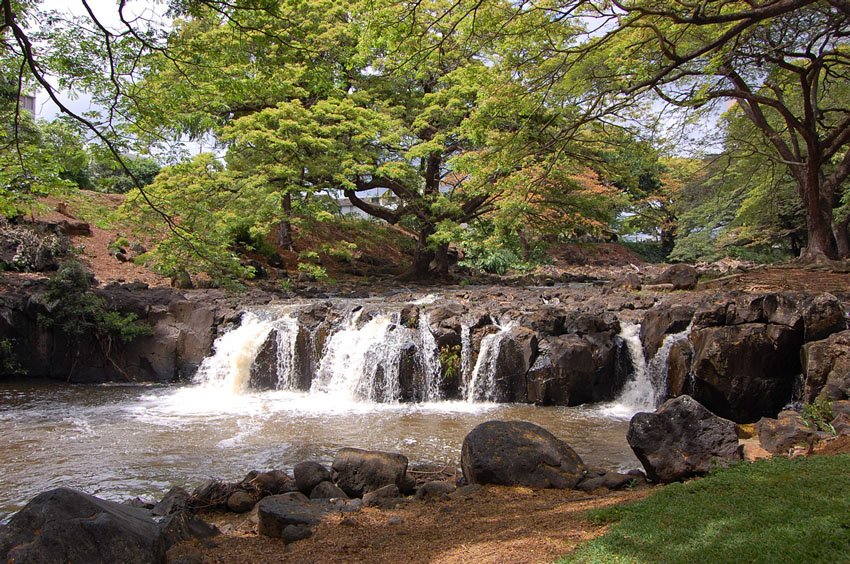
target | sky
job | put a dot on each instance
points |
(107, 13)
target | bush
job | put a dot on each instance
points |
(75, 310)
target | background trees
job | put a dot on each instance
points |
(493, 124)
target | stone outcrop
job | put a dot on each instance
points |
(742, 358)
(679, 276)
(358, 471)
(682, 439)
(65, 525)
(183, 330)
(518, 453)
(826, 367)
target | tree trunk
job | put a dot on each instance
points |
(821, 243)
(284, 236)
(441, 258)
(422, 257)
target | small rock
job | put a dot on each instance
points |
(681, 276)
(358, 472)
(788, 430)
(327, 490)
(387, 497)
(308, 475)
(394, 520)
(466, 492)
(277, 511)
(241, 502)
(435, 490)
(751, 450)
(348, 522)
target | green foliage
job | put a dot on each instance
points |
(650, 251)
(107, 174)
(76, 311)
(9, 363)
(818, 415)
(315, 272)
(777, 510)
(450, 362)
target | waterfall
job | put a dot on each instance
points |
(648, 384)
(287, 352)
(465, 358)
(482, 384)
(430, 356)
(230, 367)
(363, 361)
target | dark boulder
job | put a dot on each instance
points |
(310, 474)
(514, 355)
(64, 525)
(744, 372)
(822, 316)
(682, 439)
(277, 512)
(518, 453)
(358, 472)
(826, 366)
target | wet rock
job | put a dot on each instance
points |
(681, 276)
(744, 372)
(518, 453)
(174, 500)
(278, 511)
(64, 525)
(241, 502)
(788, 430)
(826, 365)
(679, 362)
(295, 533)
(358, 472)
(516, 353)
(435, 490)
(327, 490)
(263, 373)
(387, 497)
(682, 439)
(310, 474)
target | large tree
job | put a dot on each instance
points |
(786, 63)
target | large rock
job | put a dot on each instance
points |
(516, 352)
(822, 316)
(744, 372)
(358, 471)
(64, 525)
(573, 369)
(682, 439)
(826, 365)
(518, 453)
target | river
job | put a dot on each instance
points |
(119, 442)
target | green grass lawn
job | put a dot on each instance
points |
(776, 510)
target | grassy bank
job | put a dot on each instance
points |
(771, 511)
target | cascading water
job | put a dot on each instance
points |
(482, 383)
(430, 358)
(648, 385)
(465, 358)
(230, 367)
(287, 352)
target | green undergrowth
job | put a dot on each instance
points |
(776, 510)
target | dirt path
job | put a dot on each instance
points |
(496, 524)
